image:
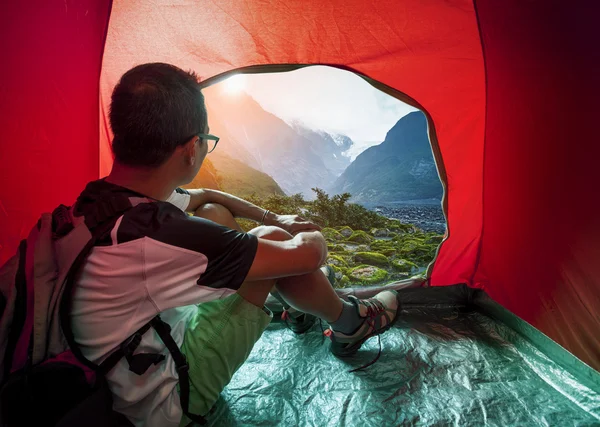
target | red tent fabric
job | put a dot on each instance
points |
(509, 91)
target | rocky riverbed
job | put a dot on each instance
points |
(381, 255)
(428, 217)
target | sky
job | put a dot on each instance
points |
(325, 98)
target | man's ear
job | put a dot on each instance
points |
(189, 150)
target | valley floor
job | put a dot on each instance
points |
(428, 217)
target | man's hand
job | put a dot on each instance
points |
(293, 224)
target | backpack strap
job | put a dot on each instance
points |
(141, 362)
(164, 332)
(65, 303)
(20, 311)
(138, 363)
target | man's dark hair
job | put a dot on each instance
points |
(154, 108)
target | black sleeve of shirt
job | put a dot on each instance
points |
(230, 252)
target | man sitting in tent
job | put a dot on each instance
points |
(207, 278)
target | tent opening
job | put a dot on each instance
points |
(325, 144)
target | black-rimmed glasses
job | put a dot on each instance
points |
(209, 137)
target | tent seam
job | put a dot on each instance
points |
(99, 88)
(480, 244)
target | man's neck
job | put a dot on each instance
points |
(149, 182)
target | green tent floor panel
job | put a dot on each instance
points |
(438, 367)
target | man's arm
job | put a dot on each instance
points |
(303, 254)
(243, 209)
(238, 207)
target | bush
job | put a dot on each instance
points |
(336, 211)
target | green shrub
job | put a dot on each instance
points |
(336, 211)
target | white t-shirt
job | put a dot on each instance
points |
(157, 259)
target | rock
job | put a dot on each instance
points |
(404, 266)
(336, 248)
(387, 252)
(367, 274)
(336, 261)
(380, 232)
(360, 236)
(345, 231)
(371, 258)
(345, 281)
(331, 234)
(437, 239)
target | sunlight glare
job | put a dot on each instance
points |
(234, 84)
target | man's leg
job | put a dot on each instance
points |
(220, 337)
(352, 323)
(311, 293)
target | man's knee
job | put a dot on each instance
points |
(217, 213)
(270, 232)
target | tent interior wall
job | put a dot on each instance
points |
(512, 92)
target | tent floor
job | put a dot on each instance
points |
(439, 366)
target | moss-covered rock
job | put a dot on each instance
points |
(371, 258)
(336, 261)
(368, 274)
(360, 236)
(404, 266)
(345, 231)
(343, 282)
(435, 239)
(387, 252)
(337, 273)
(332, 234)
(380, 232)
(382, 244)
(336, 248)
(400, 228)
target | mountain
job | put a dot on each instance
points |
(401, 168)
(296, 158)
(238, 178)
(330, 148)
(221, 172)
(206, 178)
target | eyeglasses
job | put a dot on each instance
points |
(209, 137)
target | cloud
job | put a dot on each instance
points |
(331, 100)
